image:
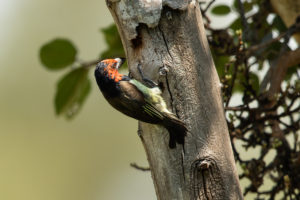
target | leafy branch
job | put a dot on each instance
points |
(74, 87)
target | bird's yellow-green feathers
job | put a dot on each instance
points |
(152, 96)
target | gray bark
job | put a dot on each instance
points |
(168, 39)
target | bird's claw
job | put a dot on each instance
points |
(148, 81)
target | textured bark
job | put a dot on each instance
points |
(168, 39)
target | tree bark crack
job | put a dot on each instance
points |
(204, 185)
(165, 41)
(169, 91)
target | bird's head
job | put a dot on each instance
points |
(111, 63)
(109, 68)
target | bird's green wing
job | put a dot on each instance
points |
(154, 102)
(152, 111)
(141, 87)
(152, 95)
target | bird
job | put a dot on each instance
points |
(141, 101)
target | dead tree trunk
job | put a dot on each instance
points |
(168, 38)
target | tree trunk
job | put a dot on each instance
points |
(168, 38)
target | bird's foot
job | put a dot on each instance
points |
(148, 81)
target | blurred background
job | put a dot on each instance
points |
(44, 157)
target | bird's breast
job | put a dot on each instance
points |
(108, 87)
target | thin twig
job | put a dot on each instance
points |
(293, 29)
(134, 165)
(244, 21)
(90, 63)
(234, 108)
(208, 6)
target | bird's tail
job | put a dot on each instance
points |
(177, 130)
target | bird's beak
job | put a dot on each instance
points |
(120, 62)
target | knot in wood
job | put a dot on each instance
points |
(204, 165)
(206, 179)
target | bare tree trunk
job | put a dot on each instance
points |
(168, 38)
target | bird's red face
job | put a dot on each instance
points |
(111, 68)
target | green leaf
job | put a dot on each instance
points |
(238, 87)
(221, 10)
(71, 92)
(236, 25)
(58, 54)
(246, 5)
(113, 41)
(273, 51)
(279, 24)
(220, 62)
(253, 80)
(290, 71)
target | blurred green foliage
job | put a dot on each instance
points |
(221, 10)
(247, 5)
(72, 90)
(113, 41)
(58, 54)
(74, 87)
